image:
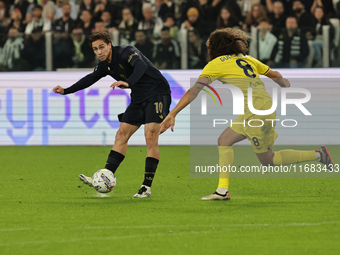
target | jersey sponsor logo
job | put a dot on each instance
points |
(131, 56)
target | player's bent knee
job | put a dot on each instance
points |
(223, 141)
(122, 136)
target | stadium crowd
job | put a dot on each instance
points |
(290, 31)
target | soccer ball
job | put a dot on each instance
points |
(104, 181)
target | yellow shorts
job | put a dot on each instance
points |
(260, 130)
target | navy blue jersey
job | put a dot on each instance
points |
(130, 65)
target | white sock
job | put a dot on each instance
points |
(318, 156)
(221, 190)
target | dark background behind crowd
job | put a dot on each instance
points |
(290, 32)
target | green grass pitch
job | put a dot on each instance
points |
(46, 210)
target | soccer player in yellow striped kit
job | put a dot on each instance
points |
(229, 64)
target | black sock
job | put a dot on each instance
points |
(113, 161)
(150, 169)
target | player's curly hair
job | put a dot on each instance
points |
(100, 35)
(227, 41)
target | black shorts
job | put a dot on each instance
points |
(154, 109)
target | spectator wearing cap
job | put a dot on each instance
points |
(38, 22)
(65, 23)
(151, 24)
(194, 22)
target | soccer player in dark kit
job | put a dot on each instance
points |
(150, 101)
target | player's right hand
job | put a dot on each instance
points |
(169, 121)
(58, 90)
(286, 82)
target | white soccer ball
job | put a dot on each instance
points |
(104, 181)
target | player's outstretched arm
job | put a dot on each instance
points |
(58, 90)
(187, 98)
(277, 77)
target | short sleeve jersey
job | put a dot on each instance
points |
(241, 71)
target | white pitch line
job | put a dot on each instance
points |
(179, 226)
(166, 234)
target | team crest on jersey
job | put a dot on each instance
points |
(131, 56)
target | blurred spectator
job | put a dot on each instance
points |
(166, 52)
(143, 44)
(62, 50)
(86, 23)
(327, 5)
(226, 18)
(197, 50)
(38, 22)
(171, 24)
(160, 9)
(106, 5)
(319, 21)
(266, 43)
(4, 14)
(65, 23)
(107, 19)
(89, 5)
(194, 22)
(246, 5)
(83, 54)
(291, 49)
(232, 4)
(257, 13)
(287, 6)
(152, 25)
(49, 9)
(10, 54)
(16, 21)
(277, 18)
(135, 6)
(34, 51)
(99, 26)
(22, 5)
(59, 13)
(205, 11)
(304, 18)
(128, 26)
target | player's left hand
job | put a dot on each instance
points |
(169, 121)
(120, 84)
